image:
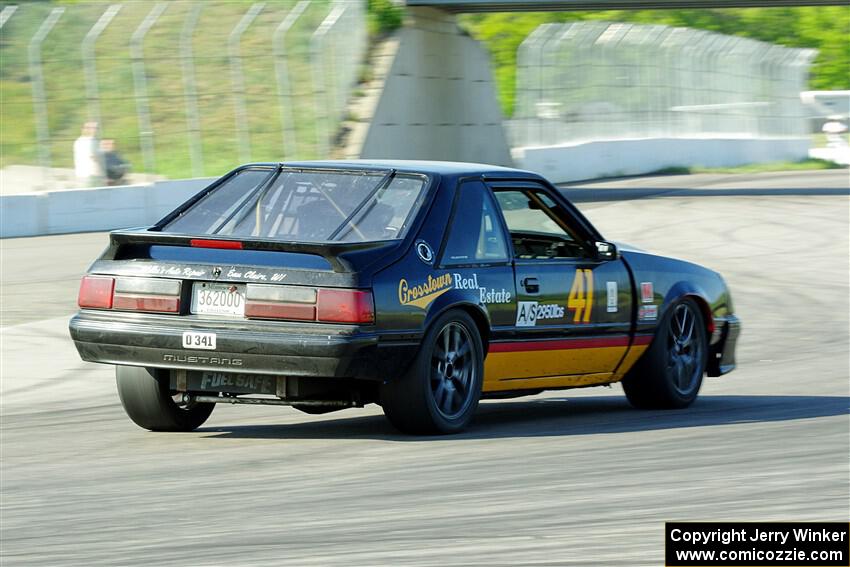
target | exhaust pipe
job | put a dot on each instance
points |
(188, 398)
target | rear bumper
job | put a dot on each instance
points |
(248, 347)
(722, 353)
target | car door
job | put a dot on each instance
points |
(573, 308)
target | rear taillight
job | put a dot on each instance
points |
(295, 303)
(280, 302)
(96, 292)
(346, 306)
(130, 294)
(283, 302)
(147, 294)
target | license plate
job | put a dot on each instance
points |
(218, 299)
(204, 341)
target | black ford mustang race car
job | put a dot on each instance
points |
(421, 286)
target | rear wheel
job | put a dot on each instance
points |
(670, 374)
(149, 402)
(440, 392)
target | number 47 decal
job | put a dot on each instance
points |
(578, 301)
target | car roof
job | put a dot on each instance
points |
(445, 168)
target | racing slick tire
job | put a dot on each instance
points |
(148, 401)
(670, 373)
(440, 392)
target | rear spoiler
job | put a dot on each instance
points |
(334, 252)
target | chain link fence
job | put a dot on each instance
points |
(589, 81)
(184, 88)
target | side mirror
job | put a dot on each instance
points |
(606, 251)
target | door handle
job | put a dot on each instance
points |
(531, 285)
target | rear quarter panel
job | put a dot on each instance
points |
(410, 292)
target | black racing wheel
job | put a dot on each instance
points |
(440, 392)
(669, 374)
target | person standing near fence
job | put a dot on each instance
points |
(88, 158)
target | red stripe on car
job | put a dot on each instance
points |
(561, 344)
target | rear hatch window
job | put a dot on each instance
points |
(299, 205)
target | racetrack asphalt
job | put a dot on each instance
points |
(563, 478)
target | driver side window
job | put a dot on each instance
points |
(537, 231)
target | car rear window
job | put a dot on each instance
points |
(306, 206)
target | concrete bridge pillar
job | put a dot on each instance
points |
(438, 98)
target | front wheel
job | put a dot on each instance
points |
(669, 374)
(440, 392)
(149, 402)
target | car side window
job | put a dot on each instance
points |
(475, 235)
(536, 227)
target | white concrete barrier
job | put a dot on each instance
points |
(616, 158)
(87, 210)
(108, 208)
